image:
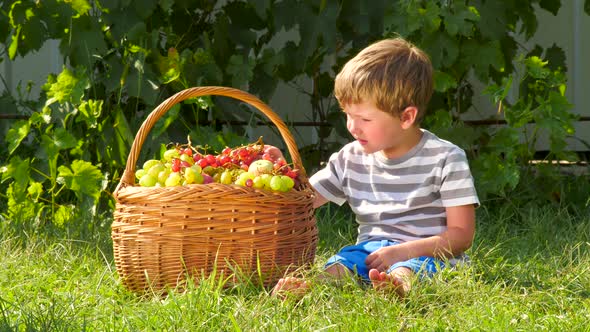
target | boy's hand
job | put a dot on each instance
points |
(274, 152)
(382, 258)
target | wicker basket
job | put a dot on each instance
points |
(164, 236)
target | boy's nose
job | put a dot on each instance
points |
(352, 128)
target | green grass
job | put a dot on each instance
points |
(530, 272)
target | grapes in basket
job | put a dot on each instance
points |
(247, 165)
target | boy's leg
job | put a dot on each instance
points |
(397, 280)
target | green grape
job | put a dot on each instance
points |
(148, 164)
(209, 170)
(236, 172)
(187, 158)
(198, 178)
(147, 181)
(288, 183)
(217, 177)
(276, 183)
(189, 175)
(156, 169)
(171, 154)
(266, 180)
(240, 181)
(173, 179)
(197, 169)
(226, 177)
(163, 175)
(139, 173)
(258, 182)
(246, 175)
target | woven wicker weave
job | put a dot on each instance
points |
(164, 236)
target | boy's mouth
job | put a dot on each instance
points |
(362, 141)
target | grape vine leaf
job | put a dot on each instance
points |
(242, 26)
(120, 21)
(86, 42)
(262, 7)
(551, 6)
(90, 111)
(29, 30)
(35, 190)
(363, 17)
(504, 137)
(285, 15)
(4, 27)
(523, 13)
(492, 22)
(142, 83)
(482, 56)
(13, 47)
(587, 7)
(536, 67)
(556, 57)
(559, 105)
(17, 132)
(145, 8)
(443, 81)
(166, 5)
(17, 169)
(424, 18)
(82, 177)
(317, 26)
(69, 86)
(80, 6)
(59, 140)
(518, 115)
(244, 16)
(64, 213)
(442, 48)
(263, 82)
(460, 20)
(241, 70)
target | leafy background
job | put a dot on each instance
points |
(64, 153)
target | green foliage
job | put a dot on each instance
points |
(122, 58)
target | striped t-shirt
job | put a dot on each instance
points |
(399, 199)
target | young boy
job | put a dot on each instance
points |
(412, 192)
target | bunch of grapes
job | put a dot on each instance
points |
(248, 166)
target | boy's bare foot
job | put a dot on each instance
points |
(384, 282)
(290, 286)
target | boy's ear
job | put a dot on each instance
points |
(408, 117)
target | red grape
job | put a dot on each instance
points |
(203, 163)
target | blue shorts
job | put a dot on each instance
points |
(353, 257)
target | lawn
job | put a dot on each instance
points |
(530, 272)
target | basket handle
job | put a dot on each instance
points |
(128, 177)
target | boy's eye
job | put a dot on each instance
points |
(366, 120)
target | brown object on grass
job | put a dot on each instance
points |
(166, 236)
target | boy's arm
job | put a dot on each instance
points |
(318, 200)
(454, 241)
(276, 153)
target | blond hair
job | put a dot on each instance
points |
(392, 73)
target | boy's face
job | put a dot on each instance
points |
(373, 128)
